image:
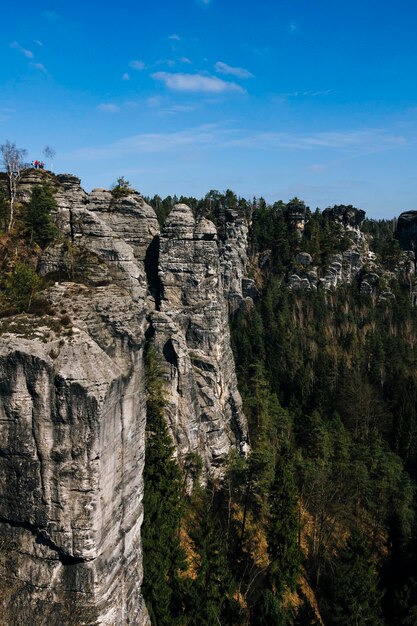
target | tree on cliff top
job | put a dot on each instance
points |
(36, 216)
(12, 158)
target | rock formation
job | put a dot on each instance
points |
(407, 230)
(343, 267)
(73, 404)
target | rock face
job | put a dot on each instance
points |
(349, 216)
(73, 423)
(233, 246)
(407, 230)
(73, 404)
(191, 330)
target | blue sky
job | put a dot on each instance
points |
(284, 98)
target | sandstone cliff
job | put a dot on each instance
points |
(73, 405)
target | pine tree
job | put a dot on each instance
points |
(353, 598)
(211, 594)
(268, 611)
(283, 549)
(36, 217)
(162, 553)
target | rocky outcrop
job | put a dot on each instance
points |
(348, 216)
(73, 405)
(407, 230)
(72, 453)
(342, 267)
(191, 331)
(233, 249)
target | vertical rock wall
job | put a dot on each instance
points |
(73, 405)
(191, 332)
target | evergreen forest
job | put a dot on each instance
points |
(318, 524)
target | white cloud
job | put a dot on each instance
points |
(239, 72)
(108, 107)
(307, 94)
(137, 65)
(153, 143)
(185, 60)
(40, 67)
(355, 140)
(195, 83)
(39, 43)
(126, 76)
(352, 143)
(174, 37)
(27, 53)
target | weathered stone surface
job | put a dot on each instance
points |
(349, 216)
(73, 407)
(407, 230)
(233, 244)
(249, 288)
(72, 453)
(129, 218)
(192, 332)
(304, 259)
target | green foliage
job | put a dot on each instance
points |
(4, 209)
(283, 527)
(267, 610)
(352, 597)
(162, 553)
(344, 368)
(36, 216)
(210, 599)
(22, 286)
(121, 188)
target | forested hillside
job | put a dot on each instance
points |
(317, 525)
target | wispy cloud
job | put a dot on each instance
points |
(206, 2)
(368, 139)
(40, 67)
(27, 53)
(205, 135)
(108, 107)
(39, 43)
(185, 60)
(349, 143)
(126, 76)
(306, 94)
(196, 83)
(174, 37)
(137, 65)
(228, 70)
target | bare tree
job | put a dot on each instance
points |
(49, 154)
(13, 163)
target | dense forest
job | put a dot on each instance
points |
(317, 525)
